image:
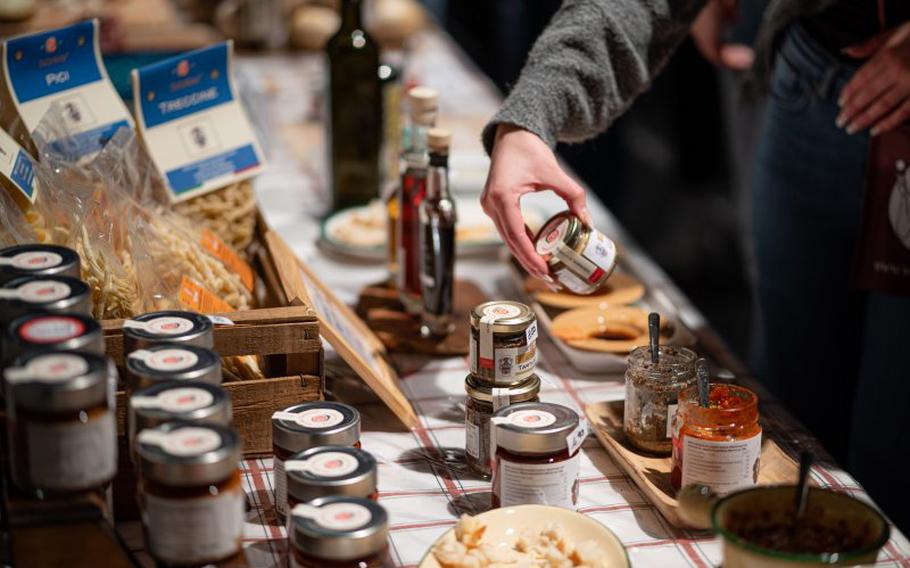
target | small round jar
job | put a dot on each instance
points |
(169, 326)
(61, 422)
(652, 391)
(339, 532)
(184, 401)
(330, 470)
(191, 493)
(171, 362)
(579, 257)
(503, 343)
(305, 426)
(482, 402)
(53, 332)
(718, 446)
(49, 294)
(536, 459)
(38, 260)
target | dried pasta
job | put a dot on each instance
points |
(229, 212)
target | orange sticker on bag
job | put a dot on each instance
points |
(231, 259)
(194, 296)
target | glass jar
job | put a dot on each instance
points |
(168, 401)
(718, 446)
(652, 391)
(190, 493)
(168, 326)
(61, 422)
(52, 332)
(339, 532)
(503, 344)
(579, 257)
(171, 362)
(38, 260)
(330, 470)
(308, 425)
(482, 402)
(536, 459)
(49, 294)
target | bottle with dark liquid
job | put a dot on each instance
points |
(422, 112)
(355, 111)
(437, 240)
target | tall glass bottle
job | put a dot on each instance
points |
(422, 102)
(355, 111)
(437, 240)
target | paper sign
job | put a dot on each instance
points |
(193, 296)
(17, 166)
(193, 123)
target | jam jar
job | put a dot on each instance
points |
(41, 331)
(169, 361)
(503, 343)
(482, 402)
(536, 457)
(652, 391)
(186, 401)
(579, 257)
(330, 470)
(169, 326)
(718, 446)
(305, 426)
(38, 260)
(339, 532)
(190, 493)
(49, 294)
(61, 422)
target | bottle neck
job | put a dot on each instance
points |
(438, 176)
(350, 14)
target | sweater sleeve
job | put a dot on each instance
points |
(589, 64)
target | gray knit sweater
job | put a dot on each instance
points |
(596, 56)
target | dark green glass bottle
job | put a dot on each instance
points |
(355, 111)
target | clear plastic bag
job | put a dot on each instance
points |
(14, 226)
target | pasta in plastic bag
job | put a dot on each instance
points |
(14, 227)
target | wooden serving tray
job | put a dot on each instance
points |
(652, 473)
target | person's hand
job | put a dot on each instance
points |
(878, 95)
(708, 32)
(522, 163)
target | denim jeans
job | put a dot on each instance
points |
(837, 357)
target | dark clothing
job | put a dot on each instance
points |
(847, 22)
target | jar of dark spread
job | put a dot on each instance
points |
(38, 260)
(52, 332)
(482, 402)
(339, 532)
(49, 294)
(579, 257)
(171, 362)
(330, 470)
(503, 344)
(169, 326)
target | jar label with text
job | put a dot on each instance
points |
(280, 481)
(724, 466)
(72, 455)
(472, 439)
(554, 484)
(507, 364)
(189, 531)
(573, 283)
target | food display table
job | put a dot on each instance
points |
(423, 480)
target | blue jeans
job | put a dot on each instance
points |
(835, 356)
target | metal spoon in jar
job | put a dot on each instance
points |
(802, 486)
(654, 335)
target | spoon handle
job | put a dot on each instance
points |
(654, 335)
(802, 488)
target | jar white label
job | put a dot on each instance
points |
(51, 329)
(671, 418)
(49, 368)
(501, 311)
(573, 283)
(723, 466)
(72, 455)
(601, 251)
(472, 439)
(168, 325)
(554, 236)
(171, 359)
(184, 399)
(280, 481)
(326, 464)
(43, 291)
(319, 418)
(36, 260)
(190, 441)
(510, 364)
(554, 484)
(531, 418)
(189, 531)
(344, 516)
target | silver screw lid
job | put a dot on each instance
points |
(169, 326)
(58, 381)
(507, 316)
(186, 454)
(188, 401)
(482, 391)
(330, 470)
(38, 260)
(312, 424)
(171, 362)
(53, 294)
(534, 427)
(41, 331)
(339, 528)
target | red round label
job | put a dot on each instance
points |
(51, 329)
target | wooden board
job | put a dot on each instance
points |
(399, 331)
(652, 473)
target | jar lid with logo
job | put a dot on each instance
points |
(42, 331)
(171, 362)
(58, 381)
(339, 528)
(38, 260)
(189, 401)
(535, 428)
(580, 257)
(311, 424)
(169, 326)
(330, 470)
(187, 454)
(52, 294)
(504, 316)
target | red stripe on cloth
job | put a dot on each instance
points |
(256, 475)
(693, 554)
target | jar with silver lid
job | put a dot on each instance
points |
(52, 332)
(579, 257)
(330, 470)
(308, 425)
(38, 260)
(339, 532)
(169, 326)
(503, 342)
(190, 493)
(61, 422)
(536, 457)
(185, 401)
(482, 402)
(50, 294)
(171, 362)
